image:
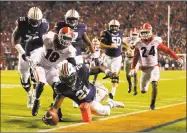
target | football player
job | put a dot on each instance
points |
(56, 48)
(29, 28)
(72, 20)
(96, 58)
(74, 84)
(134, 36)
(147, 48)
(111, 42)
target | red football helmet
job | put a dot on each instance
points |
(134, 33)
(146, 31)
(65, 36)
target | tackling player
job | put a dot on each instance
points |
(57, 47)
(30, 28)
(74, 84)
(147, 48)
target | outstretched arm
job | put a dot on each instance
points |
(167, 50)
(88, 42)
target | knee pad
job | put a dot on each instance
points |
(143, 91)
(26, 85)
(115, 78)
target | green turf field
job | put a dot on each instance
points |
(15, 116)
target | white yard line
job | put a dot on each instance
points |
(73, 125)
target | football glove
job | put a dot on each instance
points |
(46, 119)
(180, 61)
(132, 72)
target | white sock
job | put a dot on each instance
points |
(113, 91)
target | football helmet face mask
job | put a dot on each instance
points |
(72, 18)
(34, 16)
(146, 31)
(68, 74)
(114, 26)
(65, 36)
(134, 34)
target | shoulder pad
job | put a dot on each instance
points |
(44, 21)
(72, 51)
(158, 39)
(21, 20)
(49, 36)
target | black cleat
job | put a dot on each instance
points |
(111, 96)
(152, 107)
(130, 88)
(35, 108)
(60, 116)
(135, 93)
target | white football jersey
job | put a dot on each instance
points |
(97, 51)
(51, 56)
(130, 43)
(149, 52)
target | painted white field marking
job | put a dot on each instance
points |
(8, 86)
(136, 106)
(116, 116)
(3, 86)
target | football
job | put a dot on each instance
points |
(52, 117)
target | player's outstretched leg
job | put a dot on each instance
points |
(135, 84)
(154, 94)
(39, 90)
(27, 87)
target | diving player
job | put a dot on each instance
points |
(74, 84)
(29, 28)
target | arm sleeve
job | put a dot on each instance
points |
(167, 50)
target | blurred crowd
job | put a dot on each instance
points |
(98, 14)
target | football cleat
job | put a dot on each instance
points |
(115, 104)
(152, 107)
(35, 108)
(135, 93)
(130, 88)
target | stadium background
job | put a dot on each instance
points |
(172, 85)
(97, 15)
